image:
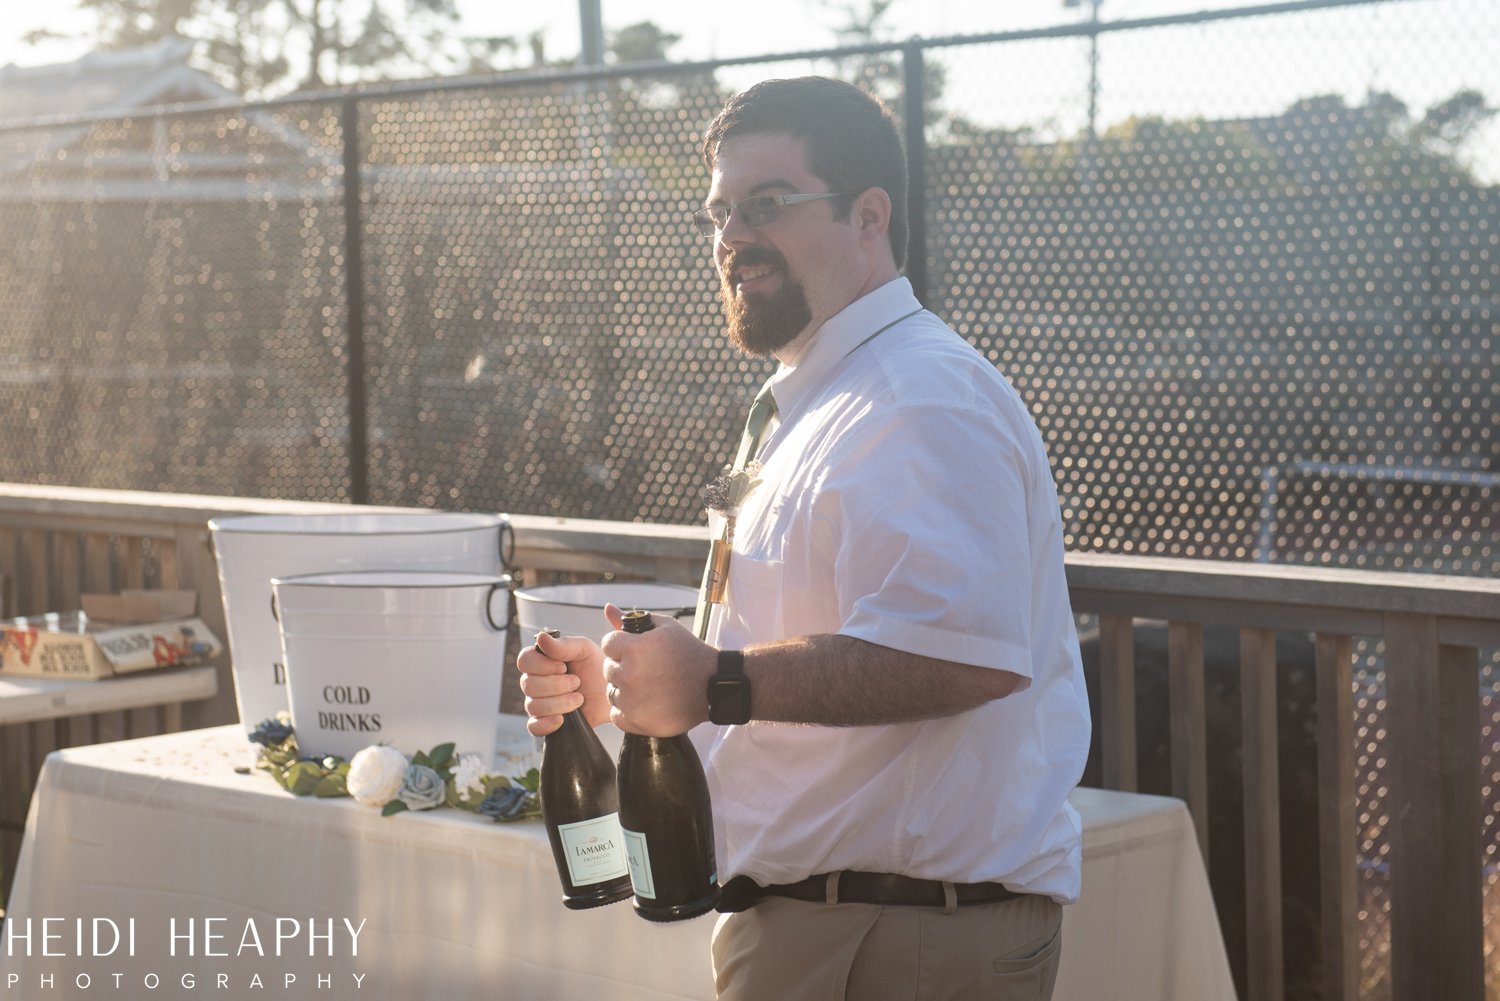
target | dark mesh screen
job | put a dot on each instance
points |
(173, 298)
(1271, 242)
(1250, 293)
(541, 329)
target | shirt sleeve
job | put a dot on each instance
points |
(924, 516)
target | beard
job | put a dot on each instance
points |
(759, 324)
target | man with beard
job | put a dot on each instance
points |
(889, 705)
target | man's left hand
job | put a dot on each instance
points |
(658, 680)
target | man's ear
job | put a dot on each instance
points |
(872, 213)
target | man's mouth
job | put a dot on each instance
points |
(749, 278)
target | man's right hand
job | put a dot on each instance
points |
(557, 676)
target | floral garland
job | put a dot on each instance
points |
(382, 776)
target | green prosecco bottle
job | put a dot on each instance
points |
(667, 820)
(580, 808)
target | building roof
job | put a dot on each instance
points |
(86, 131)
(107, 81)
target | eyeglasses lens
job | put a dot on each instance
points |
(759, 211)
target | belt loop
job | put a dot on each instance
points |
(950, 898)
(831, 888)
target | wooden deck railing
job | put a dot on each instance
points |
(1433, 628)
(55, 542)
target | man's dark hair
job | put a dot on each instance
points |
(851, 138)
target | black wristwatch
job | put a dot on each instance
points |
(729, 690)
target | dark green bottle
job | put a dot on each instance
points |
(581, 810)
(667, 820)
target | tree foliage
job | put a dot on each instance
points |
(262, 48)
(644, 42)
(654, 115)
(882, 73)
(1317, 142)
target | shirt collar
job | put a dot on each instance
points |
(836, 338)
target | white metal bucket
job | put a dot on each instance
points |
(578, 609)
(407, 658)
(252, 549)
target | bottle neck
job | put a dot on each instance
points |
(639, 621)
(573, 723)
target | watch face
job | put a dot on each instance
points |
(729, 700)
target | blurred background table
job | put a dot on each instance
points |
(33, 700)
(457, 907)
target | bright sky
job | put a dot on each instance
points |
(1422, 51)
(774, 26)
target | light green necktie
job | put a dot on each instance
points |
(716, 570)
(761, 412)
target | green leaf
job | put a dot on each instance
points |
(420, 758)
(530, 781)
(303, 777)
(440, 755)
(395, 806)
(279, 755)
(330, 786)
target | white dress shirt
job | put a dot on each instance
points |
(905, 500)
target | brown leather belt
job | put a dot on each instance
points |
(742, 893)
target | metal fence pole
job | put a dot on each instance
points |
(354, 278)
(914, 83)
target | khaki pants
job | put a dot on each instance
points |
(792, 950)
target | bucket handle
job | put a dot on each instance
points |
(684, 613)
(507, 543)
(506, 587)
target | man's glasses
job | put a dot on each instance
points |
(762, 210)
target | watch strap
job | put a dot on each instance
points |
(729, 690)
(731, 662)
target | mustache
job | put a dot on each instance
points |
(749, 257)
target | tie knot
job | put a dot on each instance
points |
(761, 412)
(764, 400)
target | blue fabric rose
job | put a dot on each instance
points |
(505, 803)
(270, 732)
(422, 788)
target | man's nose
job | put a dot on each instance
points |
(736, 231)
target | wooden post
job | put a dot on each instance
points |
(34, 597)
(1263, 947)
(8, 583)
(1437, 922)
(97, 575)
(1117, 701)
(1336, 808)
(66, 550)
(1189, 729)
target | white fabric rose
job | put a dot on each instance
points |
(375, 775)
(469, 776)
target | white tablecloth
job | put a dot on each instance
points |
(164, 832)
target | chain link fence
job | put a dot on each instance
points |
(1243, 269)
